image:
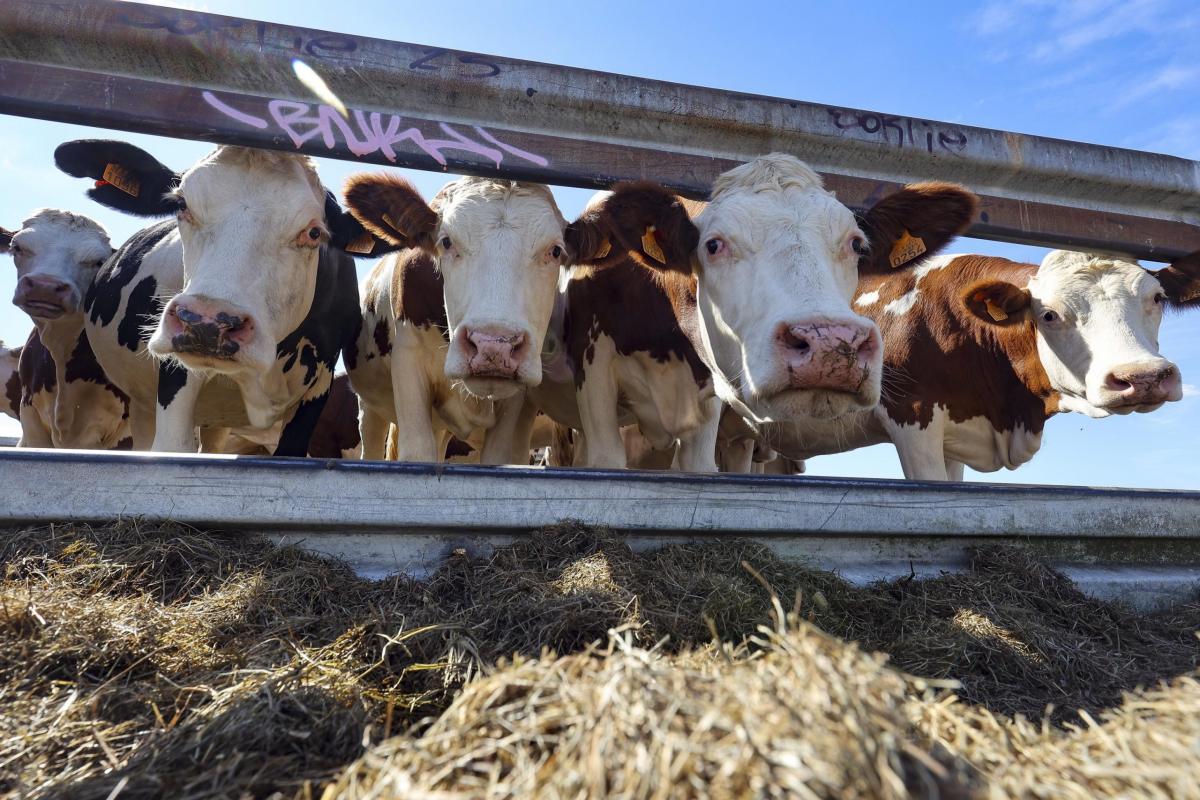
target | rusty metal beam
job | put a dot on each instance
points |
(222, 79)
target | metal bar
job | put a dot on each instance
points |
(382, 517)
(147, 68)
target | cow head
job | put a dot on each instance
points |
(57, 254)
(252, 223)
(775, 259)
(499, 247)
(1096, 321)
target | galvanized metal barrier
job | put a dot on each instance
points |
(1137, 545)
(222, 79)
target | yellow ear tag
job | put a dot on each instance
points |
(123, 179)
(605, 249)
(364, 244)
(995, 312)
(650, 246)
(906, 248)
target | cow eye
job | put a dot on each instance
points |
(314, 233)
(99, 262)
(1160, 298)
(14, 249)
(556, 252)
(859, 245)
(446, 243)
(1050, 316)
(714, 246)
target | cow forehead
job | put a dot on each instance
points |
(1082, 278)
(792, 213)
(481, 203)
(52, 226)
(241, 175)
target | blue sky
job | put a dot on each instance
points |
(1114, 73)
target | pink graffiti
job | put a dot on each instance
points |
(369, 133)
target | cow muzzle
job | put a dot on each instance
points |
(1140, 385)
(200, 327)
(494, 353)
(837, 357)
(45, 297)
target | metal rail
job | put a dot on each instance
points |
(1142, 546)
(222, 79)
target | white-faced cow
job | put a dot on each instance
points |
(980, 351)
(233, 312)
(453, 326)
(679, 306)
(66, 399)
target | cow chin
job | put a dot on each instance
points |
(247, 360)
(489, 388)
(791, 404)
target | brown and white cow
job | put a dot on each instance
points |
(680, 306)
(453, 326)
(233, 312)
(980, 351)
(66, 398)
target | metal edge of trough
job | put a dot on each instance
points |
(1141, 546)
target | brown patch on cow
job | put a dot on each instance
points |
(456, 448)
(943, 353)
(641, 310)
(337, 428)
(418, 296)
(639, 219)
(391, 208)
(383, 339)
(124, 444)
(933, 212)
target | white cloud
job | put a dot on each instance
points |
(1166, 79)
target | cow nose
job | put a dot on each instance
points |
(821, 355)
(44, 294)
(495, 353)
(205, 328)
(1141, 383)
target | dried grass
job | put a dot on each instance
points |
(155, 661)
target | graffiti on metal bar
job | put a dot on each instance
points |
(368, 133)
(906, 132)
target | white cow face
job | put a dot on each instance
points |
(57, 254)
(252, 225)
(1096, 323)
(775, 259)
(499, 247)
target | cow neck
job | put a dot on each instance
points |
(59, 338)
(418, 292)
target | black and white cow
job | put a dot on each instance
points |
(10, 379)
(231, 314)
(62, 396)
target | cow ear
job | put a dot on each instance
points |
(997, 302)
(6, 237)
(389, 207)
(1181, 281)
(127, 178)
(914, 223)
(350, 236)
(640, 219)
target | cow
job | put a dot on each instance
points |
(10, 379)
(980, 351)
(675, 307)
(66, 399)
(335, 434)
(453, 325)
(232, 312)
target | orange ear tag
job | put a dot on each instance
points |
(906, 248)
(995, 312)
(605, 249)
(363, 245)
(391, 223)
(123, 179)
(650, 246)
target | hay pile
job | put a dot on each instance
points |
(156, 661)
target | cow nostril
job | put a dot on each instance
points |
(1116, 384)
(230, 323)
(187, 316)
(793, 341)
